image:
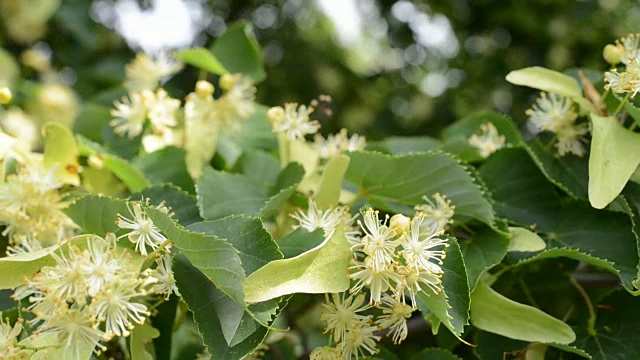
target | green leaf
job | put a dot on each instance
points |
(450, 306)
(483, 251)
(571, 227)
(142, 342)
(319, 270)
(434, 354)
(166, 166)
(130, 176)
(256, 134)
(633, 111)
(572, 349)
(15, 269)
(202, 59)
(397, 145)
(331, 182)
(221, 194)
(495, 313)
(61, 152)
(227, 329)
(255, 246)
(182, 205)
(164, 320)
(96, 214)
(617, 322)
(92, 119)
(492, 346)
(239, 52)
(569, 173)
(284, 188)
(398, 182)
(258, 165)
(615, 155)
(214, 257)
(525, 240)
(456, 136)
(300, 241)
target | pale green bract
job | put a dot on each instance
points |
(495, 313)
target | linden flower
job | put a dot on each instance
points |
(394, 318)
(571, 140)
(145, 72)
(341, 314)
(238, 102)
(551, 112)
(338, 143)
(162, 110)
(114, 306)
(625, 82)
(378, 282)
(629, 45)
(143, 232)
(412, 279)
(438, 213)
(293, 121)
(66, 279)
(99, 266)
(417, 247)
(315, 218)
(9, 338)
(163, 274)
(379, 241)
(131, 113)
(489, 140)
(75, 329)
(18, 124)
(325, 353)
(359, 340)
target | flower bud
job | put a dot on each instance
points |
(227, 81)
(5, 95)
(613, 54)
(400, 223)
(275, 114)
(95, 161)
(204, 88)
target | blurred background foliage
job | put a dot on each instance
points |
(391, 67)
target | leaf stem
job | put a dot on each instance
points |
(624, 101)
(591, 323)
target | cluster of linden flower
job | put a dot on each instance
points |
(624, 51)
(95, 290)
(392, 259)
(195, 126)
(30, 201)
